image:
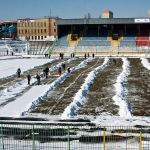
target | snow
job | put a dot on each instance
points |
(19, 87)
(145, 63)
(105, 119)
(14, 109)
(121, 92)
(52, 86)
(80, 97)
(9, 67)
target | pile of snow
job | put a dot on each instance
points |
(34, 103)
(121, 92)
(80, 96)
(145, 63)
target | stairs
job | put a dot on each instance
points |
(114, 43)
(72, 43)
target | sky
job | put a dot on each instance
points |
(14, 9)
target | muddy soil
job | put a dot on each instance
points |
(139, 88)
(99, 99)
(60, 98)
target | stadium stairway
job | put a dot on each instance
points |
(114, 43)
(72, 43)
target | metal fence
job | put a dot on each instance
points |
(75, 136)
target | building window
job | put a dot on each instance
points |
(41, 37)
(44, 24)
(25, 31)
(45, 37)
(35, 37)
(38, 37)
(38, 31)
(41, 24)
(32, 38)
(54, 23)
(44, 30)
(54, 30)
(41, 31)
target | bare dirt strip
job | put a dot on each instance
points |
(99, 99)
(139, 88)
(60, 98)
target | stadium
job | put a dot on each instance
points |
(104, 35)
(95, 94)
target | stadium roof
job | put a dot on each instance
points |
(103, 21)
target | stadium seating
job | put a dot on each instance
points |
(94, 41)
(62, 41)
(9, 46)
(142, 41)
(38, 47)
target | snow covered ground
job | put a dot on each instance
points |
(24, 103)
(14, 109)
(9, 67)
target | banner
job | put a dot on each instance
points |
(142, 20)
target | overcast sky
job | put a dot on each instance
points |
(13, 9)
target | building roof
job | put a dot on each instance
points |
(103, 21)
(8, 22)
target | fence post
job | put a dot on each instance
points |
(104, 139)
(68, 138)
(33, 138)
(2, 141)
(140, 140)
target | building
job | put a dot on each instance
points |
(41, 29)
(107, 14)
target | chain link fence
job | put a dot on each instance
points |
(76, 136)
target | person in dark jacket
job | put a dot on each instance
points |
(28, 78)
(85, 55)
(59, 70)
(38, 79)
(93, 55)
(68, 69)
(18, 72)
(46, 72)
(64, 66)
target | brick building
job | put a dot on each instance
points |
(41, 29)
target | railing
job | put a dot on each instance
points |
(75, 136)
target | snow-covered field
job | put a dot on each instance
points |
(111, 92)
(41, 96)
(9, 67)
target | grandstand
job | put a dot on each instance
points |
(11, 47)
(103, 35)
